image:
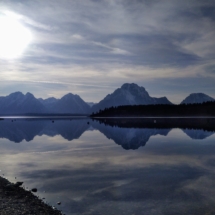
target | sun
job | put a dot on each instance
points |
(14, 37)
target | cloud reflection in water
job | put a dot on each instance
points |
(89, 174)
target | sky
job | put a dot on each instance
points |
(92, 47)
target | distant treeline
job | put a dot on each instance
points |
(203, 109)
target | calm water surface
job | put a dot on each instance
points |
(96, 168)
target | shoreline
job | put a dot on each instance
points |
(16, 200)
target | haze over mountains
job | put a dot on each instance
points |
(128, 94)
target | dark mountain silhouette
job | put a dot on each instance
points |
(49, 102)
(18, 103)
(128, 94)
(197, 98)
(70, 104)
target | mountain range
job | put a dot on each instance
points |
(127, 94)
(67, 104)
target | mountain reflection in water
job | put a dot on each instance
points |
(129, 133)
(75, 161)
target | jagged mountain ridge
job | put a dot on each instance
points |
(69, 103)
(18, 103)
(128, 94)
(197, 98)
(49, 102)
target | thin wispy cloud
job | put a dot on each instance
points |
(106, 43)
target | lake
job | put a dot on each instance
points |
(113, 167)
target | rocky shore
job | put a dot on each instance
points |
(14, 200)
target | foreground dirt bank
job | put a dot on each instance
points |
(14, 200)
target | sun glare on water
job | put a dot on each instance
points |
(14, 37)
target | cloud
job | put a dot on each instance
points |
(180, 173)
(102, 79)
(113, 50)
(151, 43)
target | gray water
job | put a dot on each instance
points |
(93, 168)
